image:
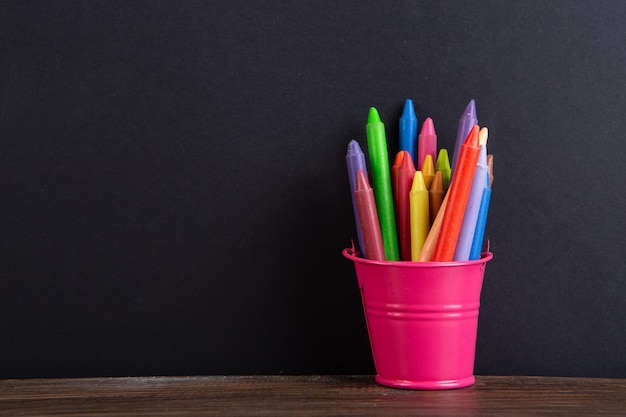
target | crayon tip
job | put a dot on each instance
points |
(437, 184)
(483, 135)
(406, 162)
(428, 128)
(361, 181)
(409, 111)
(470, 110)
(373, 116)
(443, 162)
(428, 167)
(398, 159)
(472, 137)
(354, 147)
(418, 182)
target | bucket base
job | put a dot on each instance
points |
(426, 385)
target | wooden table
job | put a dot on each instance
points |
(307, 395)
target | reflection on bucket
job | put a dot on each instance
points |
(422, 319)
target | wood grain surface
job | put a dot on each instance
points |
(307, 395)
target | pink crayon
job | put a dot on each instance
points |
(426, 142)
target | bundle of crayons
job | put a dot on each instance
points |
(436, 212)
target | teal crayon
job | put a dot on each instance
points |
(381, 183)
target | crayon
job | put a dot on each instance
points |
(467, 120)
(355, 160)
(443, 165)
(428, 171)
(381, 182)
(479, 234)
(394, 170)
(426, 143)
(470, 217)
(435, 195)
(428, 249)
(408, 129)
(459, 193)
(477, 244)
(483, 136)
(402, 174)
(368, 218)
(420, 218)
(481, 221)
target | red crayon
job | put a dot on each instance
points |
(368, 218)
(402, 174)
(458, 194)
(395, 167)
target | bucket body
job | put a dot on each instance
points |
(422, 319)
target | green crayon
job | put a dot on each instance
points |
(381, 183)
(443, 165)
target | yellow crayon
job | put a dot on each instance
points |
(428, 170)
(428, 249)
(419, 214)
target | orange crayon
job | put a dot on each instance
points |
(435, 195)
(458, 194)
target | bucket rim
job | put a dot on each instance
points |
(352, 254)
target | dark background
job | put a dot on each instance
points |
(174, 197)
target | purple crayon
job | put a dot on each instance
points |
(355, 160)
(466, 122)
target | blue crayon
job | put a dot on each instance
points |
(408, 129)
(479, 233)
(355, 160)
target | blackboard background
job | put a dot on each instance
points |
(173, 190)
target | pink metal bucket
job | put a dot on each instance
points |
(422, 319)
